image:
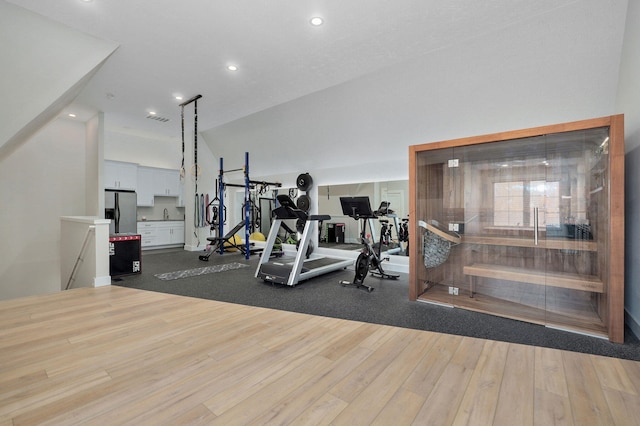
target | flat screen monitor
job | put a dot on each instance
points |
(356, 207)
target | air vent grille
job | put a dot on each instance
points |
(158, 118)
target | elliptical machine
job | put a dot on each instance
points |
(369, 259)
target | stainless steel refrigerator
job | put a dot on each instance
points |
(120, 207)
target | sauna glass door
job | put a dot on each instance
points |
(505, 209)
(575, 204)
(438, 200)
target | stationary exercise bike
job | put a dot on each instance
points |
(369, 259)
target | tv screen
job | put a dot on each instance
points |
(356, 207)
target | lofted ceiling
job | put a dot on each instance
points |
(170, 48)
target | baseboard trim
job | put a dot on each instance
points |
(632, 323)
(102, 281)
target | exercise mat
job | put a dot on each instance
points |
(200, 271)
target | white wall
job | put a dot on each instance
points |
(43, 179)
(531, 73)
(142, 149)
(38, 84)
(94, 155)
(167, 153)
(43, 160)
(628, 102)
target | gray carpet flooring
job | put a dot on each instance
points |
(388, 304)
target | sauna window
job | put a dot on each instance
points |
(513, 203)
(508, 203)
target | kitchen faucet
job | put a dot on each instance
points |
(165, 215)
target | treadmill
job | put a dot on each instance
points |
(291, 270)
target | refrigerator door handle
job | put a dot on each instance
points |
(117, 213)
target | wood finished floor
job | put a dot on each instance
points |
(116, 356)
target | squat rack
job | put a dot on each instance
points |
(248, 185)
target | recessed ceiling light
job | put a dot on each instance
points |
(232, 68)
(178, 98)
(316, 21)
(72, 115)
(152, 113)
(87, 1)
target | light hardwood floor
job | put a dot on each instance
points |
(116, 356)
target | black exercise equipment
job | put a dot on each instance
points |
(248, 206)
(304, 182)
(289, 270)
(368, 259)
(304, 203)
(228, 240)
(385, 232)
(403, 235)
(182, 105)
(386, 225)
(384, 209)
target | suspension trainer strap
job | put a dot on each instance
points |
(182, 172)
(195, 141)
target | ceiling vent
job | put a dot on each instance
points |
(158, 118)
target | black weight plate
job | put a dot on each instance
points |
(304, 203)
(304, 182)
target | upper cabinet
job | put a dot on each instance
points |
(120, 175)
(526, 224)
(154, 182)
(167, 182)
(146, 186)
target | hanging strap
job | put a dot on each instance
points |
(195, 141)
(182, 172)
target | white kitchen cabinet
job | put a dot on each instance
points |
(147, 231)
(167, 182)
(177, 232)
(120, 175)
(154, 181)
(161, 234)
(146, 186)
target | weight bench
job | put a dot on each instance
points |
(228, 239)
(532, 276)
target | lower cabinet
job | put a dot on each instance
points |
(161, 234)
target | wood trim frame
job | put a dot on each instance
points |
(616, 229)
(615, 298)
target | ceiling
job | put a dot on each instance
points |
(170, 48)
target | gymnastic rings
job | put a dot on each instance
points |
(196, 170)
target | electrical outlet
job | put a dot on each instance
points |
(455, 291)
(450, 290)
(453, 163)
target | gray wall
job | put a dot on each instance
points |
(628, 102)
